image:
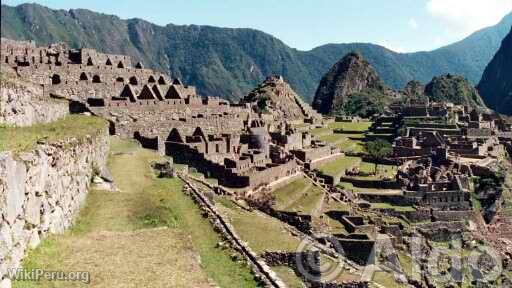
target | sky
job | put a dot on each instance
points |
(400, 25)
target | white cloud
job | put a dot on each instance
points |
(464, 16)
(391, 47)
(413, 23)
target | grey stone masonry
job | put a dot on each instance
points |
(41, 192)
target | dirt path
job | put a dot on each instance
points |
(136, 238)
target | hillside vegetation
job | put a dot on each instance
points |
(454, 89)
(230, 62)
(496, 83)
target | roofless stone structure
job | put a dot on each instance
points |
(239, 144)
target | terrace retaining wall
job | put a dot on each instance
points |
(41, 192)
(22, 105)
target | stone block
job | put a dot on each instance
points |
(14, 186)
(33, 209)
(34, 239)
(6, 242)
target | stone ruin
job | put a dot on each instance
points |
(261, 139)
(241, 144)
(439, 147)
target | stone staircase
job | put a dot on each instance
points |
(306, 109)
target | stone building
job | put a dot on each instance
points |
(231, 142)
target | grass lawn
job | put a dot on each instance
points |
(386, 280)
(148, 235)
(287, 193)
(382, 170)
(333, 138)
(307, 203)
(406, 263)
(330, 225)
(351, 145)
(349, 126)
(18, 139)
(334, 226)
(347, 276)
(211, 181)
(321, 131)
(350, 187)
(261, 232)
(342, 140)
(336, 206)
(337, 167)
(394, 207)
(288, 276)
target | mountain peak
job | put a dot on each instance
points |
(228, 62)
(496, 83)
(453, 88)
(349, 75)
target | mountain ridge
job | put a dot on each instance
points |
(229, 62)
(496, 83)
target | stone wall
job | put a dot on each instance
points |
(451, 216)
(22, 104)
(320, 162)
(441, 231)
(420, 215)
(302, 263)
(41, 192)
(262, 271)
(301, 222)
(372, 184)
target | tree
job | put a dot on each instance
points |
(378, 150)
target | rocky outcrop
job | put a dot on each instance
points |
(352, 74)
(496, 84)
(455, 89)
(41, 192)
(22, 104)
(413, 89)
(275, 97)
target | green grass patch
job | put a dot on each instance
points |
(336, 206)
(118, 146)
(321, 131)
(382, 170)
(337, 167)
(108, 241)
(216, 263)
(288, 192)
(406, 263)
(333, 138)
(394, 207)
(351, 126)
(307, 203)
(261, 232)
(21, 139)
(350, 187)
(351, 145)
(288, 276)
(386, 279)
